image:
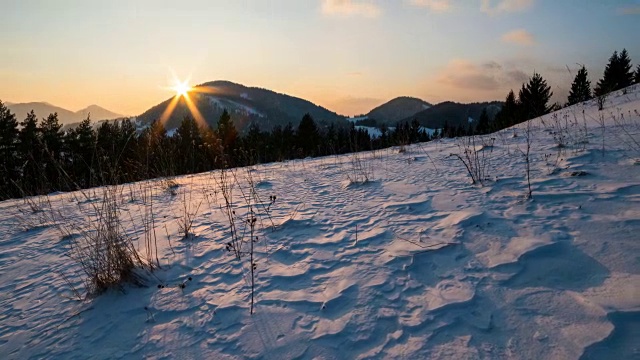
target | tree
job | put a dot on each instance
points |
(81, 143)
(636, 77)
(52, 147)
(30, 155)
(624, 70)
(534, 97)
(8, 141)
(580, 88)
(508, 114)
(483, 123)
(617, 74)
(307, 135)
(228, 136)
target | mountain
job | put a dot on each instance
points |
(97, 113)
(43, 109)
(454, 114)
(397, 109)
(245, 104)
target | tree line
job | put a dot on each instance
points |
(37, 157)
(533, 98)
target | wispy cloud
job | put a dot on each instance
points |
(505, 6)
(433, 5)
(351, 8)
(519, 37)
(490, 78)
(629, 10)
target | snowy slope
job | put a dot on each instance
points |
(417, 263)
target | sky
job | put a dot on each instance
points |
(346, 55)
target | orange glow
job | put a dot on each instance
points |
(181, 88)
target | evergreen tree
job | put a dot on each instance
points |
(618, 74)
(534, 97)
(509, 114)
(188, 146)
(30, 155)
(307, 136)
(52, 143)
(580, 88)
(483, 123)
(228, 136)
(608, 81)
(81, 143)
(624, 70)
(8, 142)
(636, 76)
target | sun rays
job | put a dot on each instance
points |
(183, 92)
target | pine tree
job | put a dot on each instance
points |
(580, 88)
(624, 70)
(8, 142)
(608, 82)
(636, 76)
(30, 155)
(483, 123)
(52, 145)
(618, 74)
(81, 143)
(228, 136)
(307, 136)
(534, 97)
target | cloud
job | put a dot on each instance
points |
(466, 75)
(519, 37)
(629, 10)
(433, 5)
(351, 8)
(505, 6)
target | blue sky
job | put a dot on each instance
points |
(346, 55)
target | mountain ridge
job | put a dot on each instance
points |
(42, 109)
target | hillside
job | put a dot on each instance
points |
(245, 104)
(397, 109)
(417, 263)
(66, 117)
(453, 113)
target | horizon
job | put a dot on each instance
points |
(348, 56)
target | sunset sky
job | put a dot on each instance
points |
(346, 55)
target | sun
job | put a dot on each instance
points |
(181, 88)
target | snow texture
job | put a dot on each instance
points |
(416, 263)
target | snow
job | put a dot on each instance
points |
(416, 263)
(233, 106)
(357, 118)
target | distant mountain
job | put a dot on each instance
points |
(454, 114)
(43, 109)
(397, 109)
(97, 113)
(245, 104)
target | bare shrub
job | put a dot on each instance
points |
(104, 251)
(361, 170)
(476, 160)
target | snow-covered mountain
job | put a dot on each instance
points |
(245, 104)
(397, 109)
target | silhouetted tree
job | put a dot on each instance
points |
(636, 76)
(483, 123)
(52, 143)
(8, 141)
(534, 97)
(32, 180)
(617, 74)
(307, 136)
(228, 136)
(580, 88)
